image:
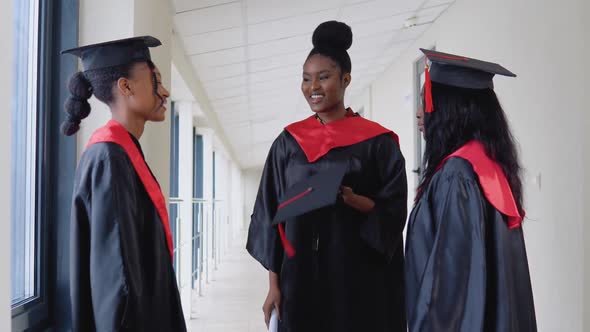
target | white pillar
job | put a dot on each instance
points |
(155, 17)
(586, 186)
(208, 136)
(219, 203)
(227, 204)
(231, 189)
(185, 193)
(223, 193)
(237, 200)
(127, 19)
(92, 14)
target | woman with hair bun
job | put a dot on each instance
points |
(121, 277)
(339, 267)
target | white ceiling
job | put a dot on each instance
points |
(248, 55)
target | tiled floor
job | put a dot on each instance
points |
(232, 301)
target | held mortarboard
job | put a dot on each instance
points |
(115, 53)
(318, 191)
(459, 71)
(315, 192)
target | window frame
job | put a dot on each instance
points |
(419, 142)
(30, 311)
(56, 157)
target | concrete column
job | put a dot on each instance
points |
(219, 192)
(126, 19)
(237, 192)
(208, 136)
(185, 193)
(226, 203)
(155, 17)
(586, 183)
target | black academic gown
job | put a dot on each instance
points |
(347, 273)
(465, 269)
(122, 278)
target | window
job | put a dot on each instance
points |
(198, 211)
(42, 163)
(174, 200)
(25, 263)
(197, 165)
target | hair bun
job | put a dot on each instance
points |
(333, 35)
(76, 110)
(69, 128)
(79, 86)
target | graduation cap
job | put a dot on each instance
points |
(459, 71)
(318, 191)
(115, 53)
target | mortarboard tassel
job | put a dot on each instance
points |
(286, 244)
(427, 89)
(428, 84)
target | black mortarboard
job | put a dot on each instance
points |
(115, 53)
(459, 71)
(318, 191)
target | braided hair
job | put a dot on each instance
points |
(97, 82)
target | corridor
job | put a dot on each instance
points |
(232, 300)
(234, 73)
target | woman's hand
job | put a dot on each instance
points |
(361, 203)
(273, 299)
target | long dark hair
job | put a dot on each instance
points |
(461, 115)
(100, 82)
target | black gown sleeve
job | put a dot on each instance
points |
(383, 228)
(263, 242)
(103, 201)
(452, 291)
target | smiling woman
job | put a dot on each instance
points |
(326, 73)
(338, 268)
(139, 96)
(122, 277)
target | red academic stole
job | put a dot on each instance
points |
(492, 180)
(317, 139)
(114, 132)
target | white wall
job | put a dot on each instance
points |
(542, 42)
(6, 67)
(586, 236)
(127, 19)
(185, 193)
(586, 182)
(92, 14)
(154, 17)
(208, 196)
(363, 101)
(193, 84)
(237, 185)
(251, 179)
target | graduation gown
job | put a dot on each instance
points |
(466, 263)
(122, 278)
(347, 273)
